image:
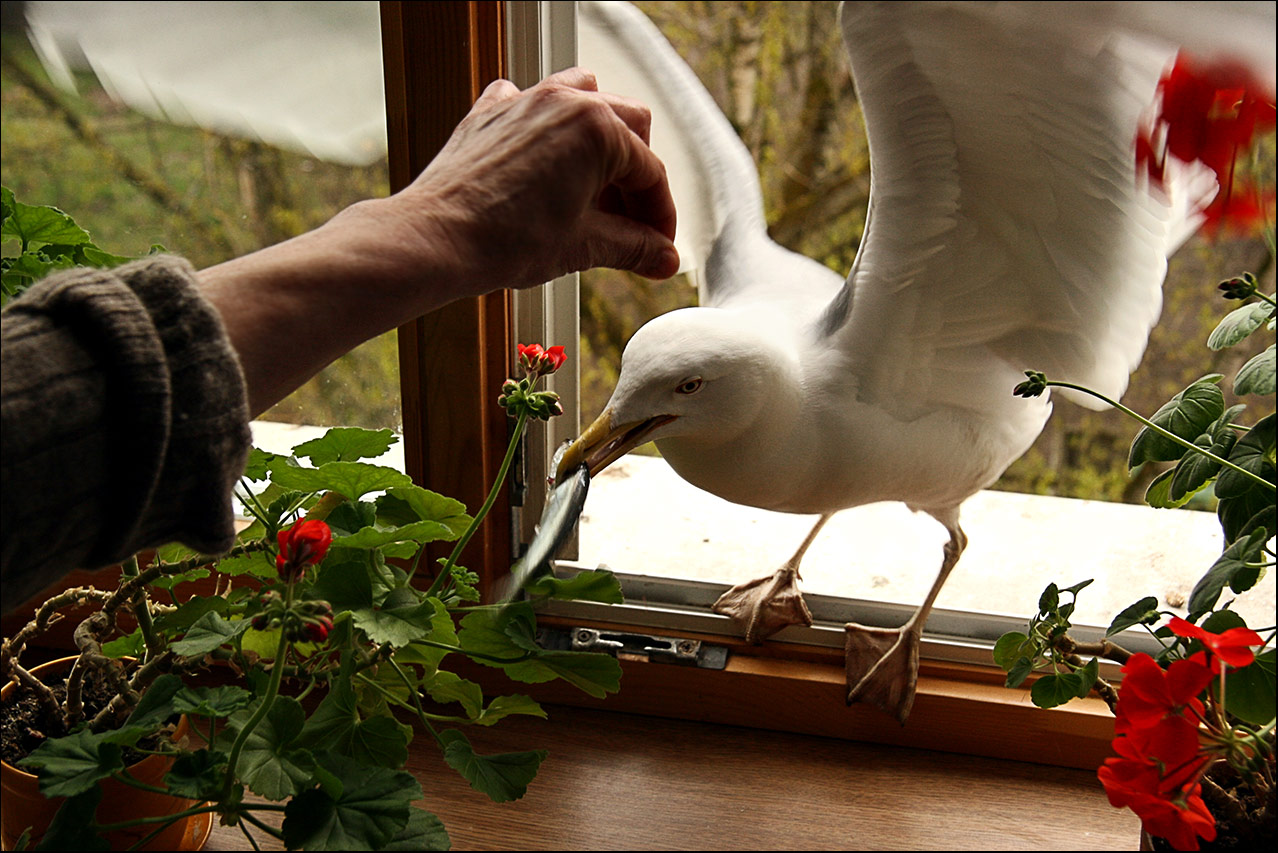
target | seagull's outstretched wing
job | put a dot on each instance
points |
(1006, 229)
(721, 228)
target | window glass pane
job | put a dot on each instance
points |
(211, 129)
(778, 72)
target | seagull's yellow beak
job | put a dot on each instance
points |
(602, 443)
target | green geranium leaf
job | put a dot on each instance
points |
(1249, 692)
(270, 764)
(337, 726)
(594, 673)
(1158, 495)
(1238, 324)
(92, 256)
(259, 463)
(502, 777)
(1010, 648)
(1049, 600)
(350, 479)
(346, 444)
(191, 611)
(209, 632)
(445, 687)
(408, 504)
(74, 826)
(398, 626)
(1143, 612)
(1221, 621)
(197, 775)
(1186, 415)
(156, 705)
(1019, 671)
(507, 638)
(424, 831)
(176, 552)
(597, 585)
(1051, 691)
(1230, 568)
(1195, 470)
(1257, 375)
(484, 632)
(171, 581)
(73, 764)
(379, 536)
(373, 808)
(257, 563)
(36, 224)
(350, 516)
(128, 646)
(346, 585)
(1252, 453)
(505, 706)
(211, 701)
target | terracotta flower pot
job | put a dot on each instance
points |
(24, 806)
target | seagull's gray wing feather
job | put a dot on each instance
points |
(1006, 229)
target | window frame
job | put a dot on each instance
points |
(438, 59)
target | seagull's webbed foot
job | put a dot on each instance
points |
(883, 663)
(883, 667)
(763, 606)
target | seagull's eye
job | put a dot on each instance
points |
(689, 386)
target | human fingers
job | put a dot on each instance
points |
(495, 93)
(642, 191)
(576, 78)
(635, 114)
(622, 243)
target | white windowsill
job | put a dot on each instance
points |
(642, 519)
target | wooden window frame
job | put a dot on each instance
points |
(438, 59)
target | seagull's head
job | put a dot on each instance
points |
(697, 375)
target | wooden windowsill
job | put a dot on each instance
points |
(616, 781)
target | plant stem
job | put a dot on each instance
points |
(1163, 432)
(272, 690)
(445, 574)
(142, 609)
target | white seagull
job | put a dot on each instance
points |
(1007, 229)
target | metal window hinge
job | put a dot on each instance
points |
(640, 647)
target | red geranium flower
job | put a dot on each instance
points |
(1208, 113)
(1232, 647)
(1149, 693)
(534, 359)
(1181, 819)
(556, 357)
(304, 544)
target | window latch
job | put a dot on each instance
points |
(636, 647)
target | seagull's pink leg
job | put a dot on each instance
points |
(763, 606)
(883, 663)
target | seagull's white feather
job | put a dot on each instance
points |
(1006, 231)
(1006, 221)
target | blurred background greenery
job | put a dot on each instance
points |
(778, 72)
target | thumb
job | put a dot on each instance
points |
(625, 244)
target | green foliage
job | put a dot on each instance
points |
(49, 241)
(1212, 449)
(378, 657)
(502, 777)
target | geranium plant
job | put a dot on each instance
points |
(318, 658)
(1194, 723)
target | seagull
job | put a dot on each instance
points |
(1007, 229)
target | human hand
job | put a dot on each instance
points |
(543, 182)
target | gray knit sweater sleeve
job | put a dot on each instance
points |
(125, 421)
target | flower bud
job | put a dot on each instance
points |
(1240, 287)
(1034, 386)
